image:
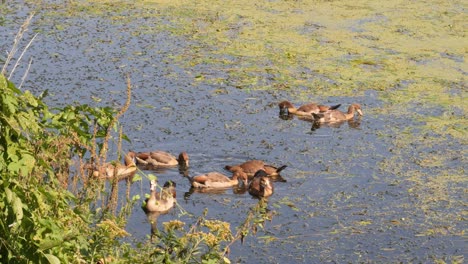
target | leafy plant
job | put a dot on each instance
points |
(42, 221)
(49, 208)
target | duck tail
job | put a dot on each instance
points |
(334, 107)
(281, 168)
(227, 167)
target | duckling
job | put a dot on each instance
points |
(160, 202)
(250, 167)
(122, 171)
(287, 108)
(261, 185)
(160, 158)
(331, 116)
(218, 180)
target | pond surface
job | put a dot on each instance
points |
(352, 194)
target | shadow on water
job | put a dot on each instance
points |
(352, 123)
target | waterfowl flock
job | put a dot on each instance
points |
(254, 176)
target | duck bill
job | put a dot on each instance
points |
(360, 112)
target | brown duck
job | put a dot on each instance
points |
(162, 159)
(218, 180)
(287, 108)
(160, 202)
(122, 171)
(261, 185)
(250, 167)
(331, 116)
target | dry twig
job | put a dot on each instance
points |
(16, 42)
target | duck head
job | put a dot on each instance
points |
(264, 180)
(284, 107)
(240, 176)
(130, 158)
(261, 185)
(183, 159)
(357, 108)
(153, 184)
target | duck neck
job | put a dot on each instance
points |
(129, 159)
(292, 110)
(350, 113)
(183, 160)
(235, 178)
(152, 198)
(239, 176)
(153, 192)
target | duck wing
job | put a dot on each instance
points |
(212, 177)
(252, 166)
(329, 116)
(162, 157)
(309, 108)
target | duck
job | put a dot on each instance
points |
(159, 158)
(219, 180)
(160, 202)
(334, 115)
(250, 167)
(261, 186)
(122, 171)
(287, 108)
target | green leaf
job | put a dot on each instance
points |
(28, 162)
(17, 207)
(14, 167)
(52, 259)
(49, 243)
(3, 82)
(136, 178)
(30, 99)
(125, 137)
(152, 177)
(9, 195)
(12, 87)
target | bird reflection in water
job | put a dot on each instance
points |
(352, 123)
(238, 189)
(152, 218)
(286, 116)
